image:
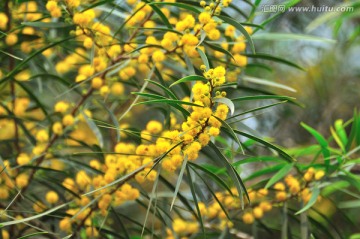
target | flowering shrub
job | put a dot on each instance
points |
(112, 107)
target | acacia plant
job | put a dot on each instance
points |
(124, 119)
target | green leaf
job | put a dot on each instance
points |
(168, 101)
(192, 189)
(179, 5)
(334, 187)
(265, 56)
(183, 199)
(95, 129)
(340, 130)
(238, 26)
(216, 178)
(349, 204)
(290, 36)
(220, 49)
(178, 182)
(203, 58)
(4, 224)
(282, 153)
(33, 234)
(220, 158)
(167, 90)
(148, 95)
(355, 236)
(263, 97)
(47, 24)
(321, 140)
(314, 195)
(354, 137)
(259, 81)
(257, 109)
(188, 79)
(230, 130)
(279, 175)
(161, 15)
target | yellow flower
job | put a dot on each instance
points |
(23, 159)
(4, 193)
(61, 107)
(52, 197)
(51, 5)
(68, 120)
(240, 60)
(117, 88)
(88, 42)
(154, 127)
(248, 218)
(204, 17)
(22, 180)
(96, 83)
(319, 174)
(158, 56)
(258, 212)
(11, 39)
(57, 128)
(214, 131)
(65, 224)
(42, 136)
(3, 20)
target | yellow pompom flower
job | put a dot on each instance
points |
(117, 88)
(4, 193)
(96, 83)
(42, 136)
(68, 120)
(319, 175)
(51, 5)
(5, 234)
(248, 218)
(61, 107)
(214, 131)
(258, 212)
(240, 60)
(57, 128)
(104, 90)
(11, 39)
(158, 56)
(3, 20)
(23, 159)
(154, 127)
(204, 17)
(65, 224)
(22, 180)
(88, 43)
(52, 197)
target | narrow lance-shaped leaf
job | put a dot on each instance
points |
(179, 180)
(265, 56)
(220, 158)
(314, 195)
(238, 26)
(203, 58)
(279, 175)
(321, 140)
(282, 153)
(95, 129)
(192, 189)
(188, 79)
